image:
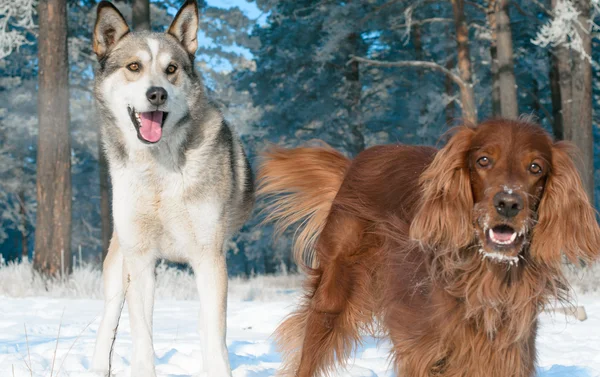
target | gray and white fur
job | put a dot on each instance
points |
(179, 190)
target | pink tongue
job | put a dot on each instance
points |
(150, 128)
(503, 235)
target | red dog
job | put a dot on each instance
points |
(454, 251)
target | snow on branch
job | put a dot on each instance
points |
(408, 16)
(423, 22)
(16, 19)
(413, 63)
(564, 29)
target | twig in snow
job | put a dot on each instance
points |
(57, 339)
(114, 339)
(75, 341)
(28, 353)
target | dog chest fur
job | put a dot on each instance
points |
(153, 210)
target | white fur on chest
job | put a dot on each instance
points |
(154, 212)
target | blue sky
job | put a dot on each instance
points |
(250, 9)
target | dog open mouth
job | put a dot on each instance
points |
(502, 244)
(148, 124)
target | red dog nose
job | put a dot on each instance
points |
(508, 205)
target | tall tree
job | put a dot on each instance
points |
(464, 61)
(557, 118)
(352, 76)
(573, 57)
(53, 222)
(507, 85)
(141, 15)
(491, 20)
(578, 128)
(449, 89)
(23, 225)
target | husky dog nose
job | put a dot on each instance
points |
(508, 205)
(156, 95)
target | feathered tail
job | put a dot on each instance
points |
(300, 185)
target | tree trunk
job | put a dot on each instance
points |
(24, 225)
(491, 17)
(352, 75)
(105, 199)
(536, 106)
(449, 86)
(575, 81)
(53, 220)
(557, 121)
(141, 15)
(419, 54)
(580, 127)
(509, 107)
(464, 62)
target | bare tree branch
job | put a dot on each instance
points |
(377, 10)
(423, 22)
(547, 11)
(412, 63)
(523, 13)
(478, 6)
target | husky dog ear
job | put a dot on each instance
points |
(185, 26)
(109, 29)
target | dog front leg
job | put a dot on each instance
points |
(113, 301)
(139, 286)
(211, 279)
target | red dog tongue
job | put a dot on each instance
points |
(150, 128)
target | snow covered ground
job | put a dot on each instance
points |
(29, 329)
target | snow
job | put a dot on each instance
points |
(564, 29)
(29, 328)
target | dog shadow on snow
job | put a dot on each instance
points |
(262, 361)
(565, 371)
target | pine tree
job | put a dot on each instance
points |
(53, 223)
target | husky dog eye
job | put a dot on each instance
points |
(133, 67)
(172, 68)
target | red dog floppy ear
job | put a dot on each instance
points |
(566, 219)
(445, 216)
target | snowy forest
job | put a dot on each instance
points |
(353, 73)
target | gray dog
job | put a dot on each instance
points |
(181, 181)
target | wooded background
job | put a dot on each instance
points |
(353, 73)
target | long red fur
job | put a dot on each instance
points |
(393, 240)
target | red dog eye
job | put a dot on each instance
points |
(535, 168)
(483, 162)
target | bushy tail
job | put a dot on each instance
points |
(300, 185)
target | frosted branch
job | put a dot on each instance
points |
(413, 63)
(16, 19)
(564, 29)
